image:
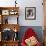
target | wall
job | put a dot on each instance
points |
(39, 13)
(44, 13)
(26, 3)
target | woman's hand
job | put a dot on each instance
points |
(32, 41)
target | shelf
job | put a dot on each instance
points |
(5, 12)
(10, 26)
(4, 8)
(11, 41)
(9, 10)
(10, 19)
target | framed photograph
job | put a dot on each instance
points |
(5, 12)
(30, 13)
(13, 12)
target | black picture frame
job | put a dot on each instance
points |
(30, 13)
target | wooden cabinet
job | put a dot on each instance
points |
(7, 26)
(10, 43)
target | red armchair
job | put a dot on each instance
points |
(30, 38)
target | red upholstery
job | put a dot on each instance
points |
(29, 33)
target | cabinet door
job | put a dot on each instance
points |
(0, 19)
(0, 36)
(0, 43)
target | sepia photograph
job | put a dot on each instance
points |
(30, 13)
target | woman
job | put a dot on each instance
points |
(30, 38)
